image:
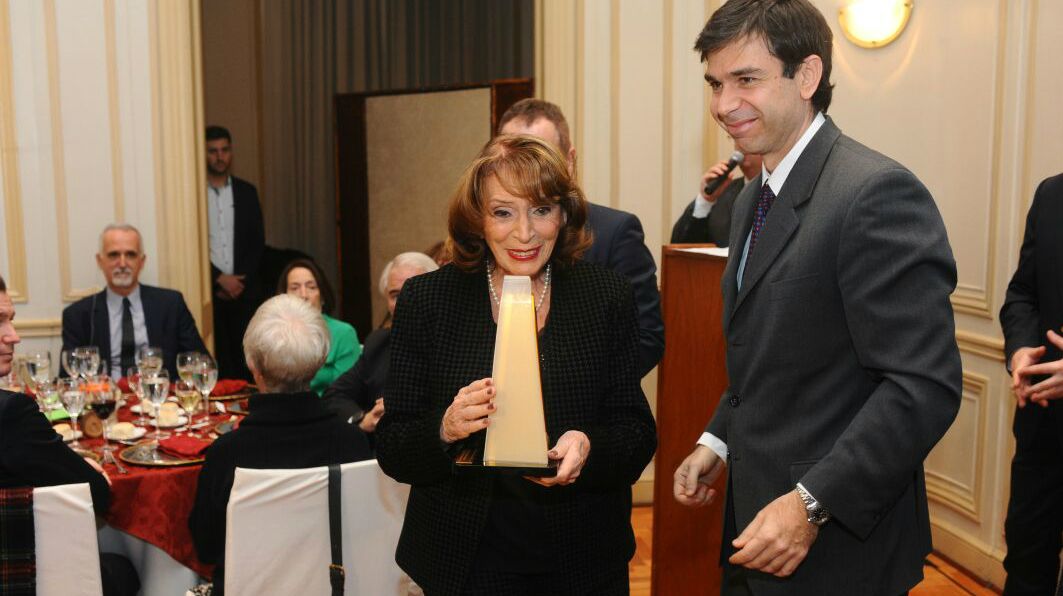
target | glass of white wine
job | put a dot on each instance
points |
(185, 363)
(149, 359)
(189, 397)
(205, 376)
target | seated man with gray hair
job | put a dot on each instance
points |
(127, 314)
(358, 394)
(288, 426)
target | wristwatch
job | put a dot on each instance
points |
(817, 514)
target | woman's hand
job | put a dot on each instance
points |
(372, 417)
(572, 449)
(468, 412)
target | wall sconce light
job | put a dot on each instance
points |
(874, 23)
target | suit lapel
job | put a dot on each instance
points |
(783, 219)
(102, 326)
(741, 222)
(152, 323)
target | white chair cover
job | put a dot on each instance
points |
(68, 559)
(277, 532)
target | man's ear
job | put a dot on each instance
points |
(809, 74)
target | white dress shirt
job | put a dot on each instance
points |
(114, 316)
(703, 208)
(220, 220)
(775, 180)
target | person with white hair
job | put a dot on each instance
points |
(127, 314)
(288, 426)
(358, 394)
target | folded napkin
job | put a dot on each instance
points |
(229, 387)
(183, 446)
(123, 384)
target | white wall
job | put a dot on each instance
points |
(967, 98)
(83, 131)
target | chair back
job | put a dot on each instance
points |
(277, 531)
(68, 558)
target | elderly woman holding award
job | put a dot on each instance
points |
(471, 373)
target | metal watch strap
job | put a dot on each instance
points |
(817, 515)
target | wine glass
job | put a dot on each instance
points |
(74, 401)
(133, 377)
(156, 387)
(149, 358)
(185, 362)
(188, 396)
(48, 396)
(38, 367)
(69, 363)
(86, 360)
(205, 376)
(102, 400)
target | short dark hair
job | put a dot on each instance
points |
(527, 167)
(531, 109)
(215, 132)
(791, 29)
(328, 299)
(3, 286)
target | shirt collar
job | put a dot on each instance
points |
(115, 300)
(777, 179)
(228, 183)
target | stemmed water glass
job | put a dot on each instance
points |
(38, 366)
(156, 386)
(185, 362)
(69, 363)
(132, 377)
(86, 361)
(149, 359)
(74, 401)
(205, 376)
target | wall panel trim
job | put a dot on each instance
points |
(16, 274)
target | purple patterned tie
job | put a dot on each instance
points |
(767, 197)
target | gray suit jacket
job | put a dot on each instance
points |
(842, 362)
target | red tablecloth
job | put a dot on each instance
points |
(153, 503)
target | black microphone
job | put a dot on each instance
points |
(736, 158)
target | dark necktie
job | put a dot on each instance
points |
(128, 343)
(764, 203)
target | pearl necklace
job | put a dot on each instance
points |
(542, 295)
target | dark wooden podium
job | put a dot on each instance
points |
(690, 379)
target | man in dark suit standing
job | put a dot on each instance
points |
(237, 239)
(1032, 316)
(707, 219)
(128, 314)
(33, 455)
(619, 242)
(842, 362)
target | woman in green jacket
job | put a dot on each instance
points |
(304, 279)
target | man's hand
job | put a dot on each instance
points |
(372, 417)
(713, 173)
(1025, 364)
(96, 466)
(777, 539)
(231, 285)
(572, 449)
(694, 477)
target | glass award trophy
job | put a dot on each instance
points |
(516, 439)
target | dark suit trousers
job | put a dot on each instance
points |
(1035, 512)
(230, 322)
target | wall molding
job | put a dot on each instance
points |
(950, 492)
(39, 327)
(16, 274)
(114, 113)
(969, 552)
(976, 344)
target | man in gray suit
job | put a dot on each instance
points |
(841, 355)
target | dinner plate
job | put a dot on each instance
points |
(67, 437)
(181, 421)
(240, 395)
(138, 431)
(135, 408)
(224, 427)
(89, 454)
(145, 454)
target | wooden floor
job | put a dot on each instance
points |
(941, 578)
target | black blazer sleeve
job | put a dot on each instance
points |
(1020, 317)
(630, 257)
(408, 445)
(32, 454)
(345, 396)
(250, 237)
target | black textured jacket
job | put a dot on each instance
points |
(443, 339)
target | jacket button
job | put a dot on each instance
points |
(734, 400)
